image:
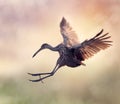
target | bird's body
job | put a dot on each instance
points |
(71, 52)
(66, 53)
(69, 59)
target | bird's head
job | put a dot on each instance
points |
(43, 46)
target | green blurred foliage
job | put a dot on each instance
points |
(104, 89)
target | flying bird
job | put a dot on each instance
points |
(72, 53)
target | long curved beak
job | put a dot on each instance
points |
(36, 52)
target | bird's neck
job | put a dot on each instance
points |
(52, 48)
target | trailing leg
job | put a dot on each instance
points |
(42, 76)
(46, 74)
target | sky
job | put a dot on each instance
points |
(26, 24)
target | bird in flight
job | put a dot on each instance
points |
(72, 53)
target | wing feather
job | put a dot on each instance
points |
(90, 47)
(69, 36)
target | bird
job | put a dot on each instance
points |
(72, 53)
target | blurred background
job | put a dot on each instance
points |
(26, 24)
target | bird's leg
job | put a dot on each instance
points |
(50, 74)
(57, 66)
(38, 74)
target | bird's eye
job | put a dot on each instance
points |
(44, 45)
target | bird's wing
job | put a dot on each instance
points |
(90, 47)
(69, 36)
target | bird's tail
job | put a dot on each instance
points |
(83, 64)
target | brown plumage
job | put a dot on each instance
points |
(71, 52)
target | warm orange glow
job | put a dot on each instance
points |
(26, 24)
(22, 32)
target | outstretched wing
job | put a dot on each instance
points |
(69, 36)
(90, 47)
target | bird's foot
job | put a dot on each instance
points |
(40, 78)
(37, 80)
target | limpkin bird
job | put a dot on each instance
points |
(72, 52)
